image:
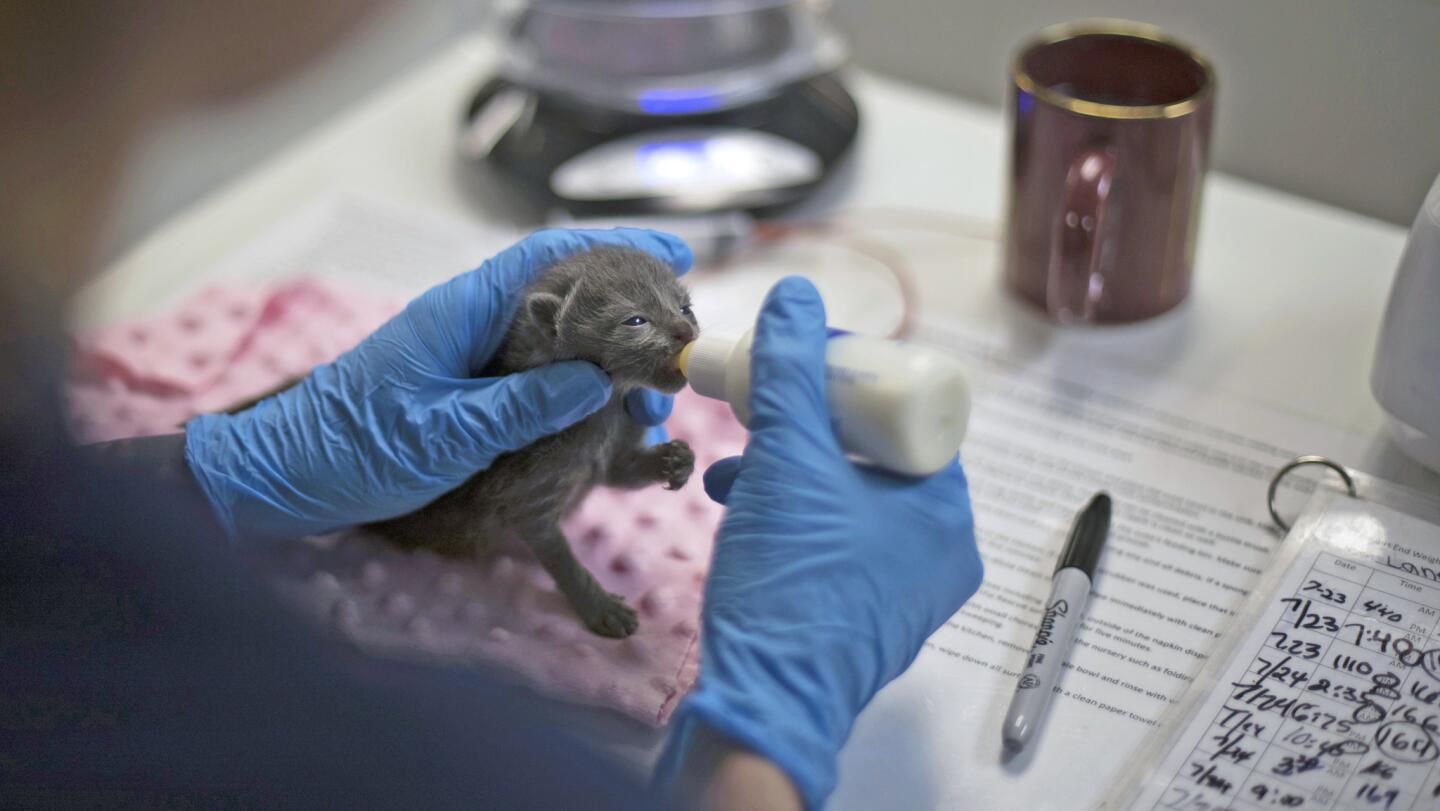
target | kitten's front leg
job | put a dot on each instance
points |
(669, 462)
(602, 612)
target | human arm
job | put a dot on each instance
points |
(720, 775)
(803, 616)
(404, 417)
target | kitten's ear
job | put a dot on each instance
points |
(544, 310)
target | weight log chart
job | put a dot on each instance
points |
(1332, 701)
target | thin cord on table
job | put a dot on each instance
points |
(842, 232)
(918, 219)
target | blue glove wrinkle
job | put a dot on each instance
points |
(489, 300)
(433, 331)
(537, 403)
(440, 433)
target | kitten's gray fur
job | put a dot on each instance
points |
(575, 310)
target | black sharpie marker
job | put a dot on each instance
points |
(1070, 590)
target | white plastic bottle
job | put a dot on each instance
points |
(1406, 376)
(898, 406)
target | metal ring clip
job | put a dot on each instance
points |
(1301, 461)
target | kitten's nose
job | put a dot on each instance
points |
(684, 333)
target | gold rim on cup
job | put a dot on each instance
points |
(1116, 28)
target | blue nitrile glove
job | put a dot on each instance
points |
(827, 577)
(402, 418)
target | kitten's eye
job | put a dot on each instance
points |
(686, 310)
(635, 321)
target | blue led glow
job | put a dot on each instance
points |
(694, 148)
(1027, 102)
(672, 161)
(662, 101)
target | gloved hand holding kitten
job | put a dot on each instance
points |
(402, 418)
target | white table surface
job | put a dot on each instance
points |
(1286, 303)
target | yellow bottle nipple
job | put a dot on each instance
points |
(682, 359)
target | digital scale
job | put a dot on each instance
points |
(606, 107)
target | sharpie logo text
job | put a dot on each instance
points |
(1054, 611)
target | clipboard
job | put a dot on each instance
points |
(1326, 694)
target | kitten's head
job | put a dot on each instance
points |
(621, 309)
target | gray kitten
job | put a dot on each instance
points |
(624, 311)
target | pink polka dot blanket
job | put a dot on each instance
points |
(228, 344)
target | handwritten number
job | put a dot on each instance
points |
(1404, 728)
(1296, 647)
(1325, 593)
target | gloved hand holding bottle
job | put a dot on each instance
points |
(827, 577)
(404, 417)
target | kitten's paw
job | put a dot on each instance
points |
(677, 462)
(612, 618)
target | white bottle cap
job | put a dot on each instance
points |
(705, 361)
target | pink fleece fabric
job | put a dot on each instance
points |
(652, 546)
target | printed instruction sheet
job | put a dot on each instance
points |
(1190, 537)
(1332, 700)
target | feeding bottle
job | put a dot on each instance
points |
(897, 406)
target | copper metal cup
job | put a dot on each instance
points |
(1110, 141)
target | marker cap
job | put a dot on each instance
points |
(1087, 537)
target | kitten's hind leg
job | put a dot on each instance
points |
(602, 612)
